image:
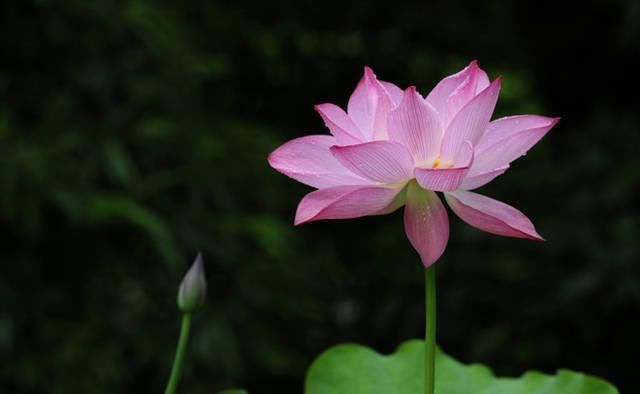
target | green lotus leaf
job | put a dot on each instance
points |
(355, 369)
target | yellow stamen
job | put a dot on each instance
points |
(436, 163)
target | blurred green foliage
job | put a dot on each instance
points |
(133, 134)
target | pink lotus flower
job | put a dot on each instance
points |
(393, 148)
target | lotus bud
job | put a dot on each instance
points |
(193, 289)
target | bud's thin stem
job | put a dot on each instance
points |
(177, 362)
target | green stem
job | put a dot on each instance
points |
(430, 330)
(176, 370)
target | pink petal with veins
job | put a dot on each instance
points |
(346, 202)
(416, 125)
(426, 223)
(470, 122)
(309, 160)
(439, 96)
(379, 161)
(467, 90)
(505, 127)
(506, 139)
(369, 105)
(490, 215)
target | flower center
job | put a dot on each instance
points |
(436, 162)
(439, 164)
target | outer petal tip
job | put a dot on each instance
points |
(492, 216)
(412, 90)
(270, 159)
(538, 238)
(368, 71)
(530, 234)
(339, 123)
(299, 219)
(506, 139)
(304, 213)
(274, 160)
(495, 85)
(323, 108)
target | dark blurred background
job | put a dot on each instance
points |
(133, 134)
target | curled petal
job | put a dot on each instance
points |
(508, 138)
(446, 179)
(474, 181)
(379, 161)
(426, 223)
(346, 202)
(340, 124)
(416, 125)
(309, 160)
(490, 215)
(470, 122)
(369, 105)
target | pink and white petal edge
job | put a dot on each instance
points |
(379, 161)
(491, 215)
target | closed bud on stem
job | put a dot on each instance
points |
(193, 288)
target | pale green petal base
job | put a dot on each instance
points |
(355, 369)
